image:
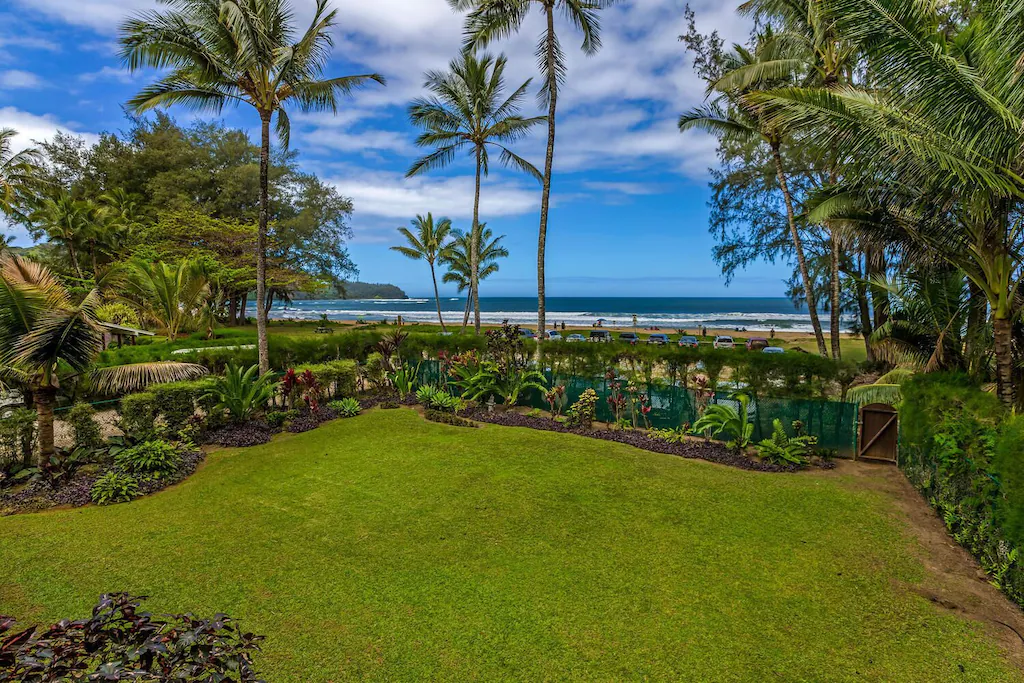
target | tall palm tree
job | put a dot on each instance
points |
(467, 110)
(19, 175)
(490, 20)
(175, 295)
(229, 52)
(460, 266)
(428, 243)
(731, 115)
(42, 329)
(943, 118)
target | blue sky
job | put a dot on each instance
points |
(629, 215)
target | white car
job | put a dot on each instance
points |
(575, 338)
(723, 342)
(554, 335)
(773, 349)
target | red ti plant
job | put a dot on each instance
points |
(556, 398)
(311, 390)
(645, 409)
(616, 399)
(290, 387)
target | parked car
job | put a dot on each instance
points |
(600, 336)
(757, 343)
(629, 337)
(659, 339)
(689, 341)
(773, 349)
(528, 333)
(575, 338)
(724, 342)
(554, 335)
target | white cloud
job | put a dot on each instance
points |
(35, 128)
(15, 79)
(107, 73)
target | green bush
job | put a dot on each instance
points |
(138, 416)
(17, 436)
(346, 407)
(583, 411)
(1008, 462)
(85, 429)
(156, 459)
(721, 419)
(177, 401)
(114, 487)
(337, 377)
(242, 393)
(783, 449)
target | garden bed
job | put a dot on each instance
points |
(41, 495)
(712, 451)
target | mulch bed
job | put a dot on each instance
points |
(252, 433)
(309, 420)
(40, 495)
(712, 451)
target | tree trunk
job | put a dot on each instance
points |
(801, 260)
(1002, 329)
(469, 308)
(92, 253)
(261, 246)
(835, 306)
(865, 315)
(233, 310)
(74, 260)
(242, 308)
(977, 314)
(549, 158)
(474, 245)
(437, 298)
(874, 266)
(44, 398)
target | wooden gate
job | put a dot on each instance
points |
(879, 428)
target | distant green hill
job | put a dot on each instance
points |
(368, 290)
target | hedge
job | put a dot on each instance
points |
(337, 377)
(962, 450)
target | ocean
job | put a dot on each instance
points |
(753, 314)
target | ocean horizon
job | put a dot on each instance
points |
(750, 313)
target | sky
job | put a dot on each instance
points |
(629, 214)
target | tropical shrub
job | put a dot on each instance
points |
(584, 410)
(448, 418)
(120, 642)
(404, 380)
(138, 413)
(346, 407)
(426, 393)
(177, 401)
(84, 428)
(721, 419)
(783, 449)
(118, 313)
(557, 399)
(337, 377)
(242, 393)
(17, 435)
(114, 487)
(156, 459)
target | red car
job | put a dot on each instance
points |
(757, 343)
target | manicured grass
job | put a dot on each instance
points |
(389, 548)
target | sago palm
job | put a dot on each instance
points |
(467, 110)
(19, 175)
(42, 330)
(230, 52)
(457, 259)
(429, 244)
(490, 20)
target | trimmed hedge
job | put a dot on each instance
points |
(337, 377)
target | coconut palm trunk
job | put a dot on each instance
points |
(1002, 329)
(437, 297)
(835, 304)
(549, 158)
(261, 246)
(798, 249)
(474, 240)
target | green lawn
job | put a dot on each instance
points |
(389, 548)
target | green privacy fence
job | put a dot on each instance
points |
(833, 422)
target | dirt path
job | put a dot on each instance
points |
(953, 579)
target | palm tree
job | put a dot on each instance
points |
(467, 111)
(428, 244)
(43, 329)
(19, 175)
(943, 119)
(173, 295)
(223, 52)
(490, 20)
(66, 221)
(460, 268)
(744, 70)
